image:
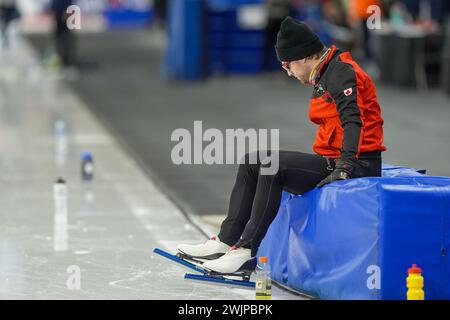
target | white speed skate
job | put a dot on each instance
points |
(211, 249)
(235, 260)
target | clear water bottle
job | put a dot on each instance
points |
(263, 282)
(60, 196)
(87, 166)
(61, 144)
(60, 223)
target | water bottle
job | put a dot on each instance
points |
(60, 127)
(60, 196)
(414, 283)
(61, 145)
(263, 283)
(60, 223)
(87, 166)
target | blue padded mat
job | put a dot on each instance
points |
(355, 239)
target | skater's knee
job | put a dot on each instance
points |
(270, 165)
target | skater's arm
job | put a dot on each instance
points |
(343, 89)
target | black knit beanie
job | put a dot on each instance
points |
(296, 41)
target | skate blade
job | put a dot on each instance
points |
(221, 280)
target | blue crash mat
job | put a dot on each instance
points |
(355, 239)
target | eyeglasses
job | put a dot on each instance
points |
(286, 66)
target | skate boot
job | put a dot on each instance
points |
(211, 249)
(236, 260)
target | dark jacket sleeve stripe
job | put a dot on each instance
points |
(343, 89)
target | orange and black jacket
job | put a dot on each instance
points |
(345, 106)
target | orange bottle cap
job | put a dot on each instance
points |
(414, 269)
(263, 259)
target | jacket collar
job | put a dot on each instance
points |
(323, 66)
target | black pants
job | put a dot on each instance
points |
(255, 198)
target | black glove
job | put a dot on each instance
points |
(344, 170)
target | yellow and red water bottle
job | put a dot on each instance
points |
(414, 282)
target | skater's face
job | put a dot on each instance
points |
(299, 69)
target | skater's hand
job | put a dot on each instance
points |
(337, 174)
(343, 171)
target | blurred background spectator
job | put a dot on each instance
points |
(277, 10)
(65, 41)
(160, 7)
(8, 13)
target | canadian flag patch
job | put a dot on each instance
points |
(348, 92)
